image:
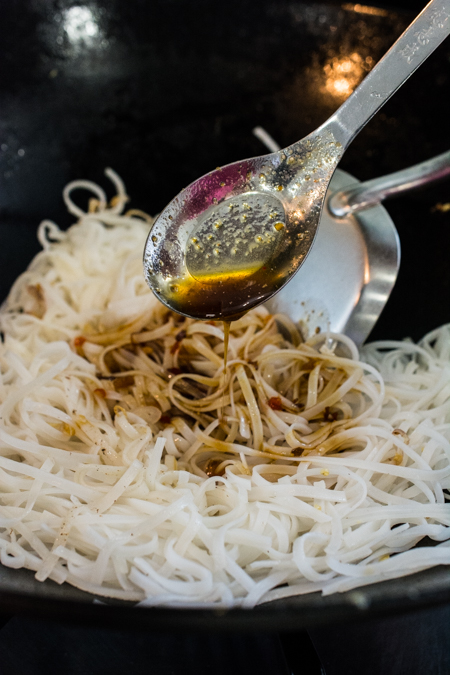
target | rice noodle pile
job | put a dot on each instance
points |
(131, 467)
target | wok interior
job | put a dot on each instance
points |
(162, 96)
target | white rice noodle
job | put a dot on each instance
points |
(132, 467)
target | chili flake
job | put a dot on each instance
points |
(275, 403)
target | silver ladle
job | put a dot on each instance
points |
(236, 236)
(349, 275)
(361, 196)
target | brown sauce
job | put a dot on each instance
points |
(223, 296)
(225, 287)
(226, 338)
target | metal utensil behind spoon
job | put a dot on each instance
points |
(348, 277)
(346, 281)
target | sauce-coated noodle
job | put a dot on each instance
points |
(131, 467)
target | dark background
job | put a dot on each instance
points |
(163, 91)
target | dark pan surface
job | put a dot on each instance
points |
(163, 92)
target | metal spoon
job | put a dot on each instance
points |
(234, 237)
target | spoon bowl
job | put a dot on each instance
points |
(236, 236)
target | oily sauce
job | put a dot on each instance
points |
(226, 338)
(223, 296)
(230, 259)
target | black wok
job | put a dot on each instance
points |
(176, 86)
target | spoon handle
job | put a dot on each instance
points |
(364, 195)
(411, 49)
